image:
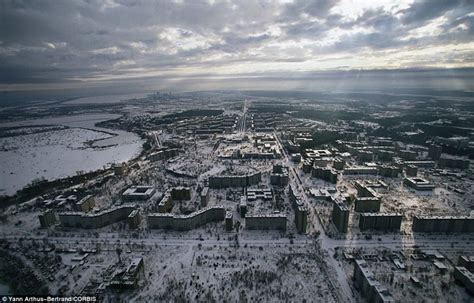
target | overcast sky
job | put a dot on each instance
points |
(69, 43)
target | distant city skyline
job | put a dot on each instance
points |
(74, 44)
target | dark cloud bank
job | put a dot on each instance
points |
(198, 44)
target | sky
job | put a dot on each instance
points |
(62, 44)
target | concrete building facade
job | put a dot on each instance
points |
(186, 222)
(229, 221)
(386, 221)
(47, 218)
(443, 224)
(361, 170)
(279, 175)
(454, 162)
(368, 286)
(419, 183)
(173, 194)
(464, 277)
(95, 220)
(389, 171)
(235, 181)
(367, 204)
(85, 204)
(340, 216)
(180, 193)
(134, 219)
(266, 222)
(411, 171)
(265, 194)
(301, 212)
(164, 154)
(138, 193)
(467, 262)
(368, 200)
(434, 152)
(325, 173)
(243, 206)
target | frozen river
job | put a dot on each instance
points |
(61, 153)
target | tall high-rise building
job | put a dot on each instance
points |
(340, 216)
(434, 152)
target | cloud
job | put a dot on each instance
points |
(88, 41)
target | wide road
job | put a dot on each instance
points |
(345, 290)
(457, 243)
(242, 127)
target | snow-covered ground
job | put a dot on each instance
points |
(62, 153)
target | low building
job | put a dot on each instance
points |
(340, 216)
(47, 218)
(85, 204)
(128, 277)
(317, 153)
(186, 222)
(259, 193)
(266, 222)
(386, 221)
(418, 183)
(138, 193)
